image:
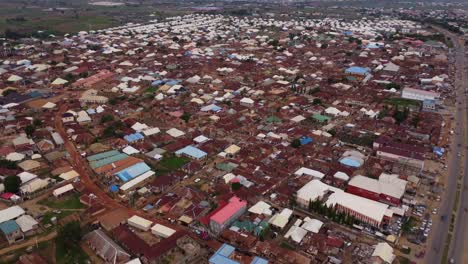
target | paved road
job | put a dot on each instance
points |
(460, 241)
(436, 245)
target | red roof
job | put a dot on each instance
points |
(235, 204)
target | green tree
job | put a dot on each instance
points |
(317, 101)
(12, 183)
(392, 85)
(107, 118)
(29, 130)
(235, 186)
(186, 117)
(37, 122)
(70, 233)
(296, 143)
(8, 164)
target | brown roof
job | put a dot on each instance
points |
(113, 219)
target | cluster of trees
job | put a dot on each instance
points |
(332, 213)
(113, 129)
(401, 115)
(296, 143)
(12, 183)
(365, 140)
(30, 129)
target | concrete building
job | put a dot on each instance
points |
(419, 95)
(227, 214)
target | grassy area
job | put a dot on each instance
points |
(73, 16)
(169, 164)
(402, 102)
(69, 202)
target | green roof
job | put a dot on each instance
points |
(226, 166)
(244, 225)
(273, 119)
(321, 118)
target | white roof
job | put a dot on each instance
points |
(14, 78)
(151, 131)
(387, 184)
(228, 177)
(49, 105)
(201, 139)
(26, 176)
(15, 156)
(384, 251)
(260, 208)
(312, 225)
(139, 126)
(313, 190)
(134, 261)
(341, 175)
(59, 81)
(281, 219)
(137, 180)
(83, 116)
(26, 223)
(298, 118)
(296, 233)
(162, 231)
(310, 172)
(138, 221)
(372, 209)
(34, 185)
(63, 189)
(129, 150)
(246, 100)
(174, 132)
(233, 149)
(69, 175)
(11, 213)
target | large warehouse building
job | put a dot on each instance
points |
(388, 188)
(365, 210)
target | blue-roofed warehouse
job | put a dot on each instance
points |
(192, 152)
(133, 171)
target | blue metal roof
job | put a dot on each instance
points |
(134, 137)
(358, 70)
(9, 227)
(306, 140)
(133, 171)
(103, 155)
(192, 151)
(99, 163)
(259, 260)
(350, 162)
(211, 107)
(114, 188)
(221, 256)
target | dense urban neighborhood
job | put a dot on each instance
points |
(217, 138)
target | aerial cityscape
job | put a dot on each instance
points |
(233, 132)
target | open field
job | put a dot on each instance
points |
(72, 17)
